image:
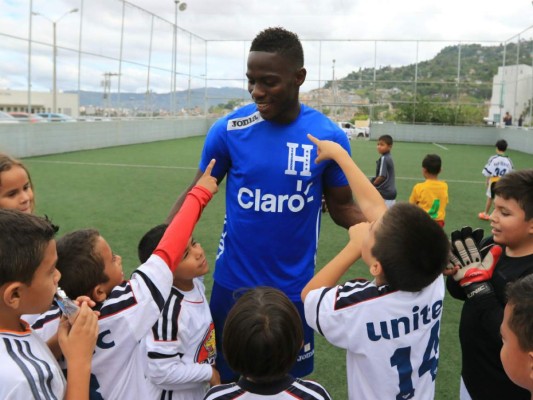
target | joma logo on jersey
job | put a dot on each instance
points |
(391, 329)
(239, 123)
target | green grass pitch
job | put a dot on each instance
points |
(124, 191)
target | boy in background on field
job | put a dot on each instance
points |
(432, 194)
(28, 283)
(517, 333)
(262, 337)
(482, 373)
(389, 326)
(497, 166)
(384, 181)
(181, 349)
(128, 308)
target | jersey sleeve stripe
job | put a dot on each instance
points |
(166, 327)
(118, 301)
(15, 357)
(42, 367)
(47, 317)
(224, 392)
(157, 356)
(357, 291)
(318, 310)
(21, 354)
(154, 291)
(309, 390)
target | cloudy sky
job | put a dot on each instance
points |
(347, 29)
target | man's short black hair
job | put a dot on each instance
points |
(411, 247)
(281, 41)
(432, 164)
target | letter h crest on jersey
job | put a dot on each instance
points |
(297, 156)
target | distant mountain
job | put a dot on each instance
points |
(437, 77)
(162, 101)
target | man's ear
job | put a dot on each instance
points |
(300, 76)
(98, 294)
(12, 295)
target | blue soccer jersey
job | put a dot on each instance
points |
(273, 196)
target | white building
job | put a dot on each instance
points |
(17, 100)
(512, 91)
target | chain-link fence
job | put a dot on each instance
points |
(130, 60)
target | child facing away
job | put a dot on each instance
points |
(16, 188)
(497, 166)
(128, 309)
(180, 349)
(517, 333)
(28, 283)
(262, 337)
(482, 373)
(390, 325)
(432, 194)
(384, 181)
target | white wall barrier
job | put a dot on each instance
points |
(520, 139)
(25, 140)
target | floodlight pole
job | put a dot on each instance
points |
(531, 101)
(182, 7)
(54, 79)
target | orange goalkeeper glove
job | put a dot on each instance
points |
(474, 273)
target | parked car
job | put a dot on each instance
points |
(353, 131)
(5, 118)
(57, 117)
(27, 117)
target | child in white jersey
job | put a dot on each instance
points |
(28, 283)
(497, 166)
(128, 309)
(389, 326)
(180, 349)
(262, 337)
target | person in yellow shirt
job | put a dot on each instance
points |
(432, 194)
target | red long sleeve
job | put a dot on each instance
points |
(174, 241)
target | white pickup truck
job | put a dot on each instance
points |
(353, 131)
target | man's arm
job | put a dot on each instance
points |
(333, 271)
(341, 206)
(370, 203)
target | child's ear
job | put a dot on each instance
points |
(376, 269)
(12, 295)
(98, 294)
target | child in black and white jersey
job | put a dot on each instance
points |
(390, 325)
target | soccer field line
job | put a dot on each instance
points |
(439, 145)
(193, 168)
(404, 178)
(110, 164)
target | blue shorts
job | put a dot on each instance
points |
(222, 300)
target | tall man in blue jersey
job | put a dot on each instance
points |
(274, 188)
